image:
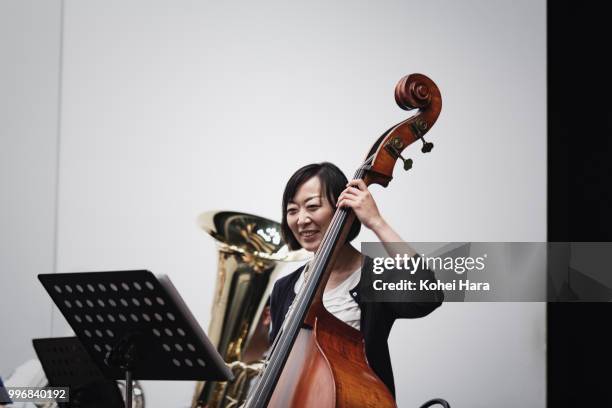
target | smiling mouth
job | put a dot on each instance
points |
(308, 234)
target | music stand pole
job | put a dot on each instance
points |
(128, 389)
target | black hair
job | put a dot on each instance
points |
(333, 182)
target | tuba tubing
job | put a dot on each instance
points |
(251, 254)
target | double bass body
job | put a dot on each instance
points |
(327, 367)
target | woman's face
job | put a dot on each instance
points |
(309, 214)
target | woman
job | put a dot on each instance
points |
(309, 202)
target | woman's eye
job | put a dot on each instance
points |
(313, 207)
(291, 211)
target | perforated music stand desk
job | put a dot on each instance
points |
(135, 325)
(67, 364)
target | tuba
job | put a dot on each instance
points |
(251, 254)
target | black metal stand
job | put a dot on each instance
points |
(67, 364)
(128, 389)
(124, 356)
(4, 397)
(435, 401)
(135, 326)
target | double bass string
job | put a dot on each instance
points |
(293, 322)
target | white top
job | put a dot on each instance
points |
(338, 301)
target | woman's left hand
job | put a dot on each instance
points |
(358, 197)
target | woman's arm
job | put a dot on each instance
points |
(358, 197)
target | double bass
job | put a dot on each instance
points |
(317, 360)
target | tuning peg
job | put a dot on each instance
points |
(393, 147)
(407, 163)
(427, 146)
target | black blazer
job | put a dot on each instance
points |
(376, 317)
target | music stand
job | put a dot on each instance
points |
(67, 364)
(4, 397)
(135, 325)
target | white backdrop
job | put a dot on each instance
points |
(169, 109)
(30, 38)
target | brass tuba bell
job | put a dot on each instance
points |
(251, 254)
